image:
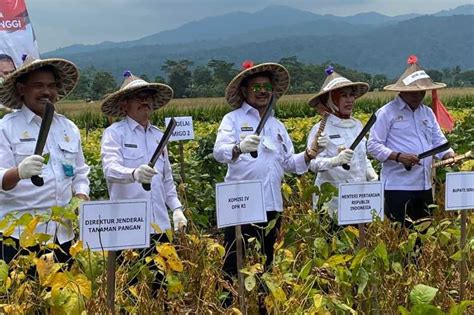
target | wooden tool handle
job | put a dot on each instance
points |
(322, 125)
(453, 159)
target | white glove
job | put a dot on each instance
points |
(143, 174)
(372, 175)
(249, 144)
(179, 220)
(30, 166)
(344, 157)
(322, 141)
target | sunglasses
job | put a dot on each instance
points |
(257, 87)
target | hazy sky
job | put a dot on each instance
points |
(60, 23)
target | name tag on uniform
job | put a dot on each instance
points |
(27, 140)
(246, 128)
(130, 145)
(334, 136)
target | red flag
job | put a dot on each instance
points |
(444, 118)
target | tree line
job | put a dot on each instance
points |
(210, 80)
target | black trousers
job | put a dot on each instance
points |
(7, 252)
(248, 231)
(402, 203)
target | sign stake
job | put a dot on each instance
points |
(238, 239)
(111, 281)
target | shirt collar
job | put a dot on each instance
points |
(30, 115)
(133, 124)
(402, 105)
(337, 121)
(248, 108)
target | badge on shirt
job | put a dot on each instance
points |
(66, 136)
(130, 145)
(246, 127)
(27, 140)
(25, 137)
(399, 118)
(334, 136)
(68, 169)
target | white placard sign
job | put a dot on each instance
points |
(459, 191)
(184, 128)
(357, 201)
(240, 202)
(115, 225)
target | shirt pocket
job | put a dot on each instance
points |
(22, 150)
(401, 125)
(338, 142)
(69, 150)
(132, 157)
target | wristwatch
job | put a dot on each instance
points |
(236, 150)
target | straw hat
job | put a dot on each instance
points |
(333, 82)
(66, 70)
(414, 79)
(280, 81)
(113, 104)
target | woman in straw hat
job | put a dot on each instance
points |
(405, 128)
(249, 93)
(29, 89)
(336, 99)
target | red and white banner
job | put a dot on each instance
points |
(16, 32)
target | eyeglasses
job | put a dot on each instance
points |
(257, 87)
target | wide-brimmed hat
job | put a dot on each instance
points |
(333, 82)
(414, 79)
(280, 81)
(113, 104)
(67, 73)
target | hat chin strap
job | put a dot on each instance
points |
(335, 109)
(331, 104)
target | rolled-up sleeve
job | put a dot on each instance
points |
(225, 141)
(378, 137)
(112, 159)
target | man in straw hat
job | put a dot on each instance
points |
(249, 93)
(29, 89)
(128, 145)
(336, 99)
(7, 66)
(405, 128)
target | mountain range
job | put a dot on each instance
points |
(369, 42)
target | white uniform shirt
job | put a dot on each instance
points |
(400, 129)
(18, 135)
(275, 153)
(340, 133)
(125, 146)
